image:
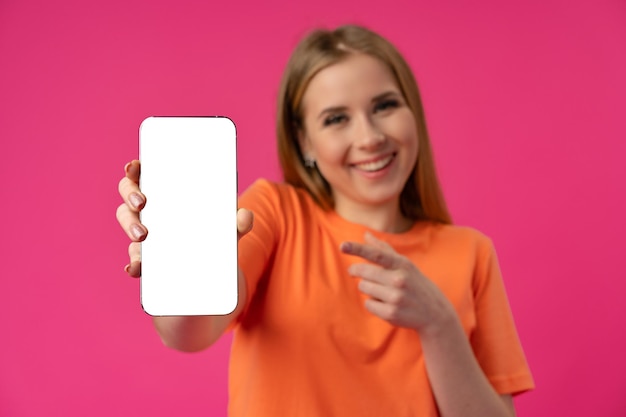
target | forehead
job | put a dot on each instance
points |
(355, 79)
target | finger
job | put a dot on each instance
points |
(374, 241)
(129, 220)
(384, 258)
(384, 293)
(388, 312)
(133, 171)
(393, 278)
(131, 194)
(369, 272)
(134, 253)
(245, 219)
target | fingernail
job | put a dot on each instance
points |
(127, 268)
(137, 231)
(345, 247)
(126, 167)
(135, 200)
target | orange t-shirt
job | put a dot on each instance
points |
(306, 346)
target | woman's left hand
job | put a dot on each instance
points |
(399, 293)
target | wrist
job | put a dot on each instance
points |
(445, 324)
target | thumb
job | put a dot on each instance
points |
(245, 218)
(133, 170)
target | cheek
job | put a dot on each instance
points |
(404, 130)
(330, 150)
(407, 136)
(408, 125)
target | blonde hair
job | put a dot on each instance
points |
(421, 198)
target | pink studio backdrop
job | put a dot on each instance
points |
(525, 104)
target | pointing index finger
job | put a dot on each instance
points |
(386, 259)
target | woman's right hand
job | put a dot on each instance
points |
(128, 215)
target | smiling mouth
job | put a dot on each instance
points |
(376, 165)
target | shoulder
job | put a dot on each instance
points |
(274, 190)
(261, 186)
(460, 234)
(275, 195)
(461, 239)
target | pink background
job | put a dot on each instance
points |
(525, 105)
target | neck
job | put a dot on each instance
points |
(385, 217)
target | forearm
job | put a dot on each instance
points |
(460, 387)
(195, 333)
(187, 334)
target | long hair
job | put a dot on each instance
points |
(421, 197)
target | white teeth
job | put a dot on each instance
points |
(375, 165)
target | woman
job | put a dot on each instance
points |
(357, 295)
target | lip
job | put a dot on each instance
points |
(380, 173)
(374, 159)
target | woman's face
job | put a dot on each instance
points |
(360, 132)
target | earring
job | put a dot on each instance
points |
(309, 162)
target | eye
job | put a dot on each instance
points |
(386, 105)
(335, 119)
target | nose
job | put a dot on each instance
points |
(370, 136)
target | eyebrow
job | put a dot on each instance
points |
(337, 109)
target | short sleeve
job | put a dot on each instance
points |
(256, 249)
(495, 340)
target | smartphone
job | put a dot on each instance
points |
(189, 178)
